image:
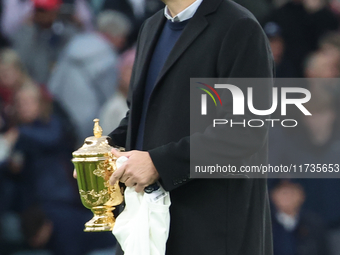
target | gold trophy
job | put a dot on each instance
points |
(94, 164)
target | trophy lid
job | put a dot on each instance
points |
(94, 145)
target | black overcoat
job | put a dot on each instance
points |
(208, 216)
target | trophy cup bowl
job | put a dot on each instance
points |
(94, 164)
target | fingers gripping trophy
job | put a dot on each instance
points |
(94, 163)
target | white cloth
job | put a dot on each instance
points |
(143, 226)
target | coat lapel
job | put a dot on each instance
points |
(193, 29)
(147, 45)
(187, 37)
(147, 42)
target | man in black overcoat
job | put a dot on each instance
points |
(208, 216)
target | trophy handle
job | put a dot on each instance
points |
(116, 192)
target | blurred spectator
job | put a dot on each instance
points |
(12, 77)
(323, 64)
(316, 140)
(16, 12)
(35, 165)
(135, 10)
(116, 108)
(331, 41)
(295, 231)
(283, 67)
(86, 75)
(303, 23)
(36, 228)
(40, 41)
(41, 160)
(40, 143)
(122, 6)
(335, 6)
(79, 12)
(330, 46)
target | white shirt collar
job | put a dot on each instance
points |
(187, 13)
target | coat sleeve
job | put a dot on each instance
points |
(244, 53)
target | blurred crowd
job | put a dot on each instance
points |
(62, 64)
(65, 62)
(305, 40)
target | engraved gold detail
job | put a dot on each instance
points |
(100, 171)
(99, 197)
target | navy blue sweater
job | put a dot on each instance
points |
(169, 36)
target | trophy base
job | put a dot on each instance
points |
(102, 220)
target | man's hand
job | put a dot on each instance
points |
(138, 170)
